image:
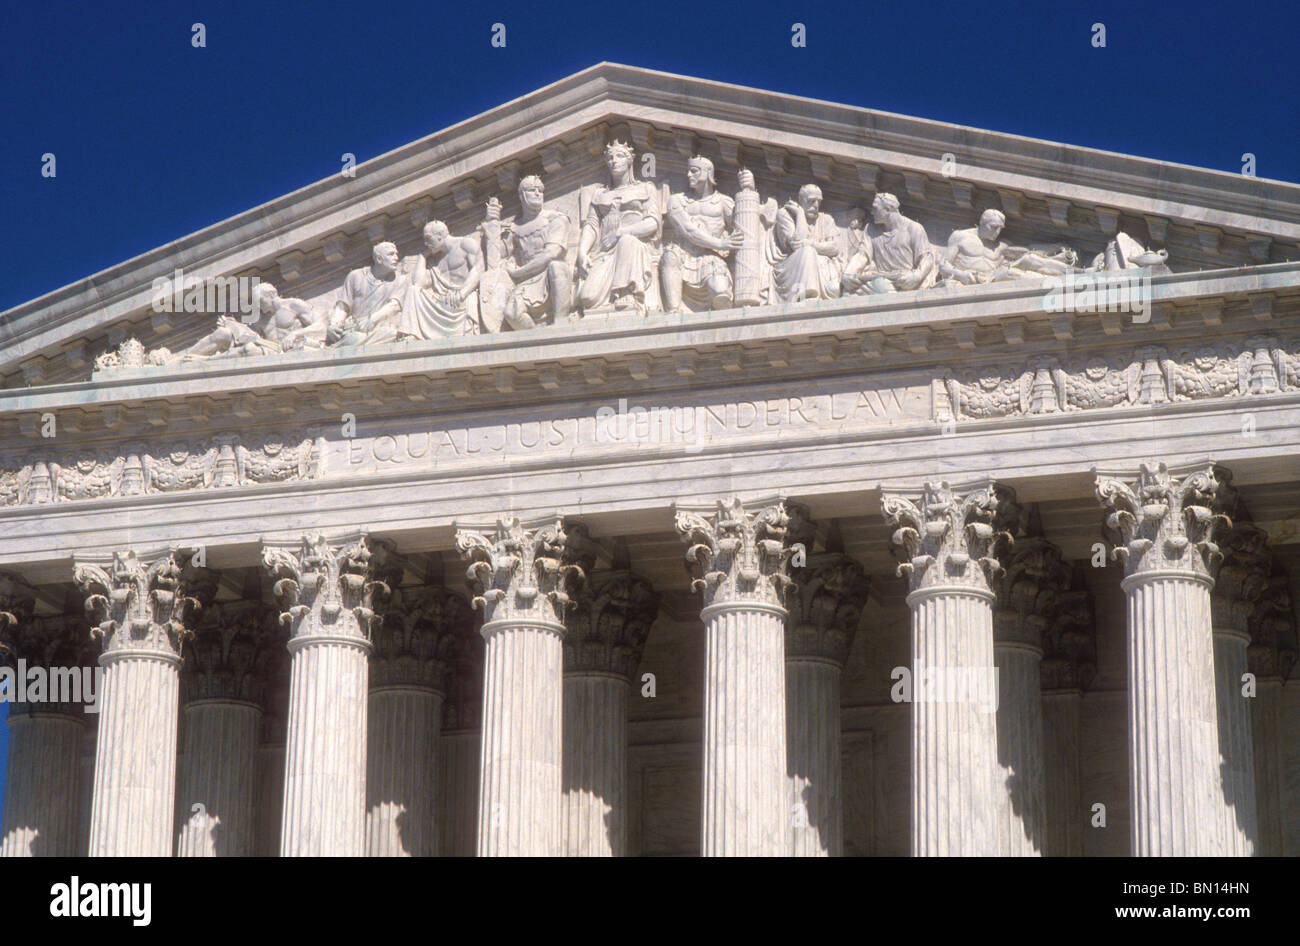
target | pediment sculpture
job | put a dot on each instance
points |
(639, 247)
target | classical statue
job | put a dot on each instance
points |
(369, 307)
(285, 325)
(694, 261)
(898, 258)
(803, 250)
(620, 227)
(976, 256)
(442, 300)
(1124, 252)
(528, 280)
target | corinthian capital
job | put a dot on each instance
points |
(735, 556)
(1032, 582)
(948, 535)
(326, 589)
(17, 603)
(1272, 651)
(520, 574)
(1240, 575)
(1163, 517)
(141, 607)
(421, 635)
(830, 590)
(231, 651)
(609, 623)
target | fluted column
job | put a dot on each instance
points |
(326, 591)
(1068, 666)
(947, 538)
(1240, 578)
(222, 689)
(522, 581)
(408, 681)
(738, 561)
(1166, 528)
(1029, 588)
(41, 807)
(1270, 657)
(458, 750)
(825, 607)
(606, 632)
(142, 612)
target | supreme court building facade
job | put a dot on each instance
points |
(652, 466)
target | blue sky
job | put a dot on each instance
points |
(154, 139)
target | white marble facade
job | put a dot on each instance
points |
(793, 493)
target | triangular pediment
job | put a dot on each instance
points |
(944, 176)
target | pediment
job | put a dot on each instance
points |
(944, 176)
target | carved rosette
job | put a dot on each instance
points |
(1273, 644)
(520, 575)
(948, 536)
(1240, 577)
(232, 653)
(736, 557)
(141, 610)
(1164, 519)
(326, 590)
(609, 623)
(420, 638)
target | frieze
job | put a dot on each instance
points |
(1150, 375)
(69, 474)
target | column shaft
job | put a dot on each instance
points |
(1236, 746)
(217, 770)
(1064, 815)
(1174, 746)
(1265, 720)
(41, 786)
(270, 798)
(812, 704)
(458, 777)
(135, 761)
(401, 775)
(1019, 720)
(955, 797)
(325, 754)
(595, 764)
(520, 768)
(745, 789)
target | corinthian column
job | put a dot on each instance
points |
(606, 632)
(1271, 656)
(738, 560)
(41, 807)
(458, 749)
(223, 688)
(1174, 785)
(825, 607)
(408, 680)
(326, 591)
(142, 613)
(1068, 665)
(522, 582)
(947, 537)
(1028, 589)
(1240, 578)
